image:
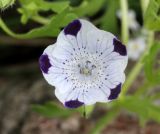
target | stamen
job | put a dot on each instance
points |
(88, 62)
(87, 69)
(93, 66)
(79, 65)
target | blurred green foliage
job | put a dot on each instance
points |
(110, 17)
(152, 73)
(51, 109)
(152, 15)
(6, 3)
(53, 15)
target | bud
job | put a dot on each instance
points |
(6, 3)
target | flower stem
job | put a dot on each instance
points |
(144, 4)
(124, 31)
(137, 68)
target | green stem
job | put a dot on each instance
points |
(10, 32)
(6, 29)
(132, 76)
(28, 35)
(144, 4)
(40, 19)
(137, 68)
(125, 32)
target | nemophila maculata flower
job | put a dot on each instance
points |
(136, 47)
(132, 22)
(86, 65)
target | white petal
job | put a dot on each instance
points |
(82, 35)
(60, 96)
(69, 95)
(136, 47)
(114, 75)
(92, 96)
(76, 41)
(62, 53)
(117, 66)
(56, 76)
(117, 78)
(48, 51)
(99, 41)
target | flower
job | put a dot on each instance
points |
(136, 47)
(86, 65)
(132, 22)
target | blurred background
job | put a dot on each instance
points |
(28, 104)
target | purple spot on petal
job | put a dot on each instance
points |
(44, 63)
(73, 104)
(73, 28)
(115, 92)
(119, 47)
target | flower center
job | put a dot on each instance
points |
(85, 71)
(135, 47)
(87, 68)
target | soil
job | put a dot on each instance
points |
(23, 85)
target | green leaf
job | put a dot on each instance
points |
(135, 105)
(109, 19)
(88, 7)
(6, 3)
(41, 5)
(154, 112)
(143, 89)
(151, 72)
(51, 109)
(155, 96)
(50, 30)
(143, 107)
(31, 9)
(152, 15)
(56, 6)
(68, 18)
(28, 11)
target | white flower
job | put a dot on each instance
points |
(132, 22)
(136, 47)
(86, 65)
